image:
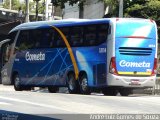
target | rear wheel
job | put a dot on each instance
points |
(125, 92)
(84, 85)
(109, 91)
(52, 89)
(16, 82)
(72, 84)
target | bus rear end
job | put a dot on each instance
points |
(135, 54)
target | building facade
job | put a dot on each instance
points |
(92, 9)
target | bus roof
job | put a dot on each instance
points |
(67, 22)
(58, 23)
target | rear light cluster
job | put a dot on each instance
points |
(112, 66)
(113, 70)
(154, 71)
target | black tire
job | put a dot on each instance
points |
(16, 82)
(125, 92)
(84, 89)
(109, 91)
(72, 84)
(27, 88)
(52, 89)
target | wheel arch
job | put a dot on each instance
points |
(82, 73)
(70, 71)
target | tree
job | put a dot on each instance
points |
(145, 9)
(37, 4)
(135, 8)
(14, 4)
(113, 7)
(149, 9)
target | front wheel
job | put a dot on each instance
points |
(84, 85)
(16, 82)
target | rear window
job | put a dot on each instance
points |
(135, 28)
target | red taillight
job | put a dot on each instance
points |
(112, 66)
(151, 20)
(117, 19)
(138, 37)
(154, 71)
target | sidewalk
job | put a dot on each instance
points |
(6, 88)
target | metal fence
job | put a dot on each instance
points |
(155, 90)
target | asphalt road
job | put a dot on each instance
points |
(56, 105)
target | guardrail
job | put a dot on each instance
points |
(156, 88)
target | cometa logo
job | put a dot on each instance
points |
(124, 63)
(34, 57)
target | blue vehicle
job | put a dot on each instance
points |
(112, 55)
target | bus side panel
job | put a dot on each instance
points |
(92, 60)
(51, 69)
(43, 67)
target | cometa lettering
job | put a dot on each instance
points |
(124, 63)
(34, 57)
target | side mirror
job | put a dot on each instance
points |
(4, 41)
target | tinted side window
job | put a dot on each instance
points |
(25, 41)
(76, 38)
(12, 35)
(90, 35)
(102, 33)
(59, 42)
(42, 38)
(36, 38)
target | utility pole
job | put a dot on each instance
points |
(120, 8)
(52, 11)
(37, 6)
(27, 11)
(10, 4)
(46, 10)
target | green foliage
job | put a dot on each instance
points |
(41, 8)
(113, 4)
(6, 4)
(137, 8)
(14, 4)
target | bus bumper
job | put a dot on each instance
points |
(127, 81)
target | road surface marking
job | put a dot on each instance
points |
(5, 103)
(37, 104)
